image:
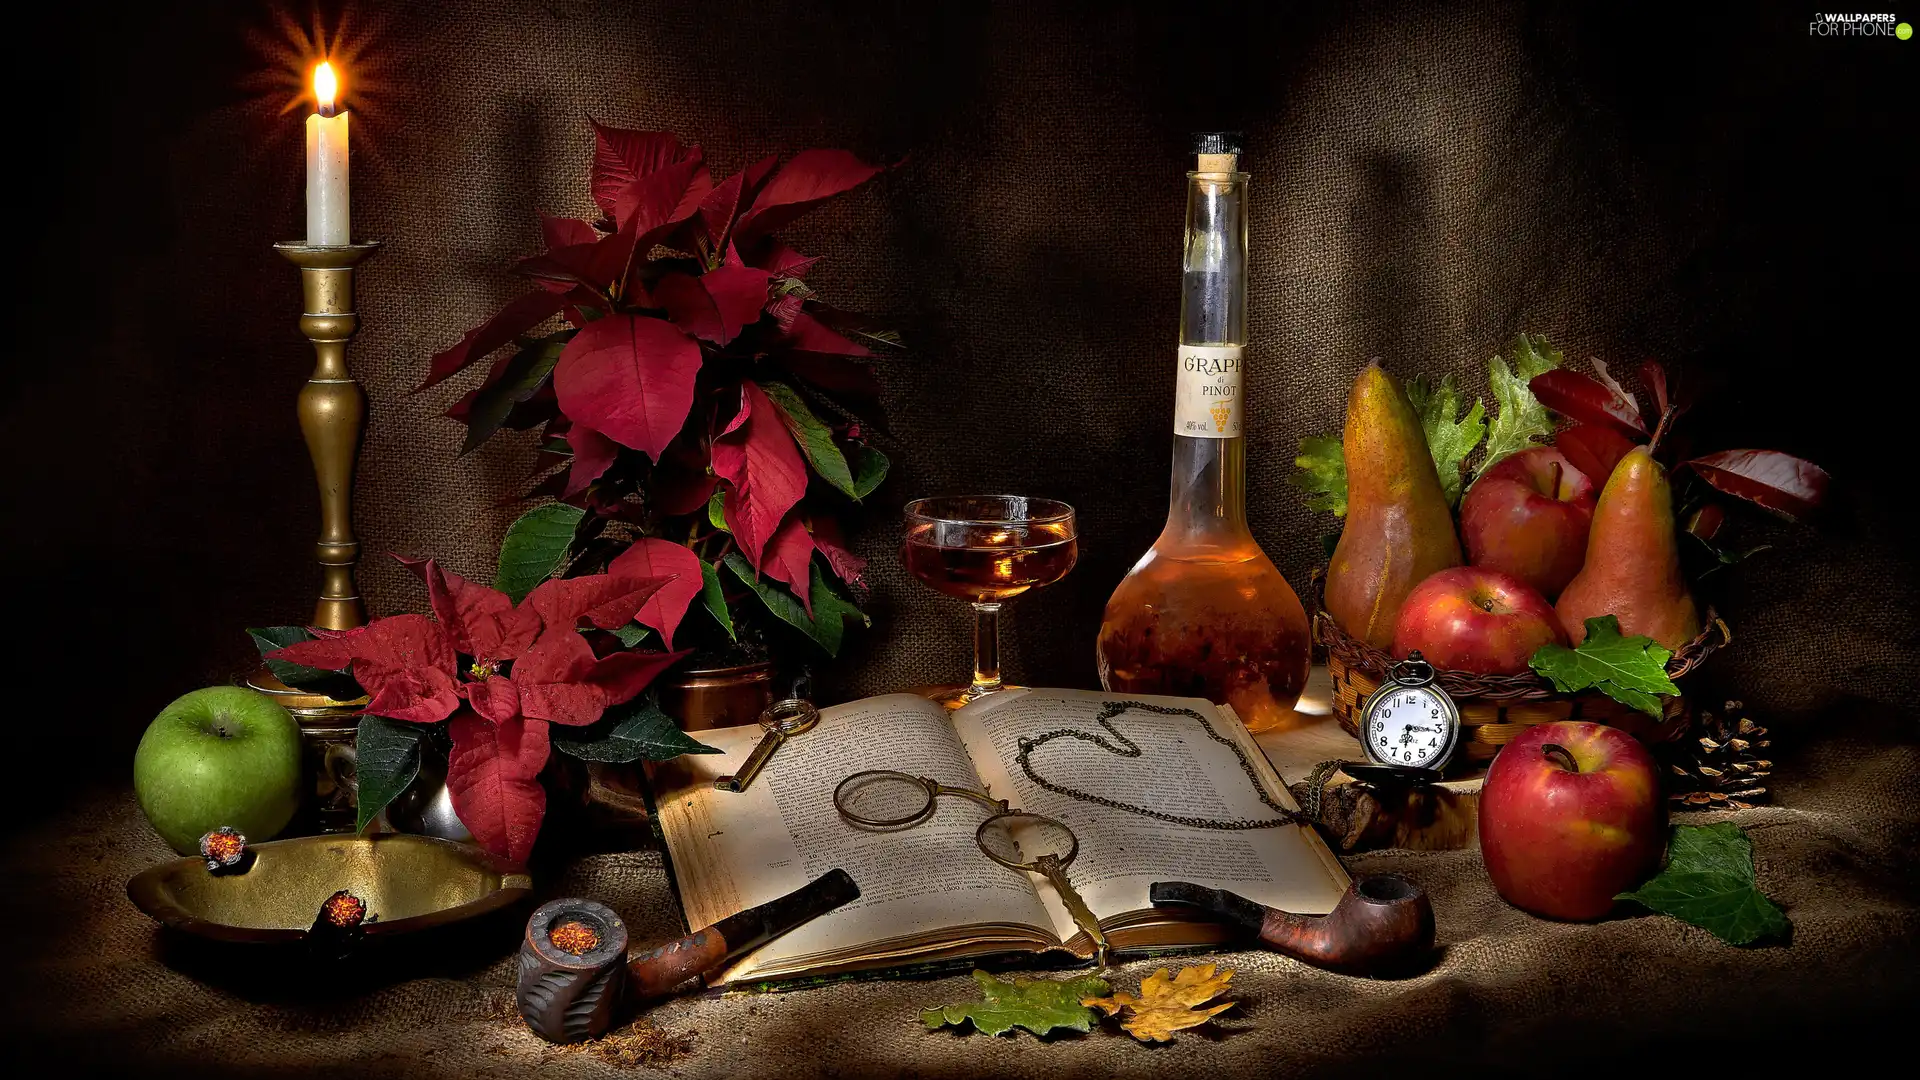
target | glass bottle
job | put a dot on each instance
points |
(1205, 613)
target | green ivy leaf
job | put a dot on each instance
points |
(635, 731)
(869, 470)
(1322, 473)
(338, 685)
(1451, 441)
(535, 547)
(1708, 882)
(518, 382)
(831, 609)
(715, 599)
(1630, 670)
(1519, 418)
(814, 437)
(1039, 1005)
(386, 758)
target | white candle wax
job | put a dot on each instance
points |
(327, 212)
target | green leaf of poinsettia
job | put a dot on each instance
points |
(518, 382)
(830, 608)
(1039, 1005)
(715, 599)
(386, 756)
(1322, 473)
(1630, 670)
(338, 685)
(869, 469)
(1518, 418)
(631, 634)
(814, 437)
(1708, 882)
(1449, 440)
(534, 548)
(716, 511)
(635, 731)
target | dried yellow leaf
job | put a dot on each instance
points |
(1168, 1004)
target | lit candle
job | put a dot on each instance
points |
(327, 223)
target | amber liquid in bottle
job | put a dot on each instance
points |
(1205, 613)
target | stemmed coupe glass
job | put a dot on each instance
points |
(988, 549)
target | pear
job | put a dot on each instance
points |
(1399, 528)
(1632, 569)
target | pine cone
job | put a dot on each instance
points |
(1721, 764)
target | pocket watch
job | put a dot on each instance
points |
(1408, 727)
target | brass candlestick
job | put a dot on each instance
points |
(333, 413)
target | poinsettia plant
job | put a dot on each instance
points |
(489, 678)
(705, 403)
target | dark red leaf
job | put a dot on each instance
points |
(1586, 400)
(1789, 486)
(1705, 522)
(406, 663)
(677, 567)
(739, 293)
(809, 178)
(556, 232)
(631, 378)
(493, 775)
(521, 315)
(608, 601)
(1593, 450)
(495, 698)
(809, 334)
(845, 565)
(789, 557)
(757, 457)
(780, 260)
(1654, 375)
(723, 204)
(835, 373)
(678, 491)
(552, 680)
(622, 156)
(622, 676)
(593, 455)
(480, 621)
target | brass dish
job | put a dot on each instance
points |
(410, 882)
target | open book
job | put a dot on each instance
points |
(927, 893)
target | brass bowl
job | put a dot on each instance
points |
(410, 882)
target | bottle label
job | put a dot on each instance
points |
(1206, 401)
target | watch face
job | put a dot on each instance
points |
(1409, 726)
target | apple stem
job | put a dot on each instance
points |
(1560, 756)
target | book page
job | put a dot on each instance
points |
(1180, 771)
(736, 850)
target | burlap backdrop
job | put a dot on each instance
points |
(1428, 180)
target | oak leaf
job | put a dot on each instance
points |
(1166, 1005)
(1039, 1005)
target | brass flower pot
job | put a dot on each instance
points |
(702, 698)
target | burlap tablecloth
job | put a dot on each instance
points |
(94, 984)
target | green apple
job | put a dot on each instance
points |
(224, 755)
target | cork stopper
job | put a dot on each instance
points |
(1217, 153)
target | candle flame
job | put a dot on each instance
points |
(325, 86)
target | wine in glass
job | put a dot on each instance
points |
(988, 549)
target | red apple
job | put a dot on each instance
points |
(1470, 618)
(1528, 516)
(1570, 815)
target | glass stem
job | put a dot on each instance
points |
(986, 649)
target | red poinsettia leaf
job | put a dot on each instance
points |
(809, 334)
(521, 315)
(593, 455)
(621, 677)
(591, 264)
(809, 178)
(670, 195)
(739, 293)
(622, 156)
(552, 680)
(1789, 486)
(845, 565)
(608, 601)
(1593, 450)
(679, 570)
(631, 378)
(1586, 400)
(689, 306)
(757, 457)
(558, 232)
(1654, 374)
(838, 374)
(718, 209)
(495, 698)
(780, 260)
(788, 558)
(480, 621)
(493, 776)
(406, 663)
(1705, 522)
(679, 491)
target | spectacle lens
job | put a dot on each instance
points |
(1019, 841)
(883, 799)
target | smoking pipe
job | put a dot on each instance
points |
(1382, 926)
(575, 974)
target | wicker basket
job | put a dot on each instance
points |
(1496, 708)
